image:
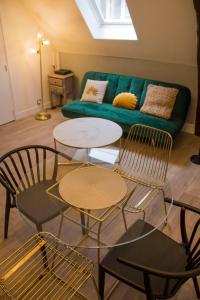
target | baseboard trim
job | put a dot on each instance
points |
(30, 111)
(189, 128)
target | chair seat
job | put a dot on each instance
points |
(151, 251)
(37, 205)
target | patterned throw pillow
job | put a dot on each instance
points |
(159, 101)
(125, 100)
(94, 91)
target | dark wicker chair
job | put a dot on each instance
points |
(26, 173)
(156, 265)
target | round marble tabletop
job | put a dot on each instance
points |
(92, 188)
(87, 132)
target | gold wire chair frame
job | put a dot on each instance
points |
(45, 267)
(152, 150)
(144, 160)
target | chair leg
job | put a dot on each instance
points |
(124, 219)
(95, 287)
(43, 248)
(165, 206)
(39, 227)
(99, 242)
(101, 282)
(84, 231)
(7, 216)
(148, 288)
(196, 285)
(60, 226)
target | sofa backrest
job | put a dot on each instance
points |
(138, 86)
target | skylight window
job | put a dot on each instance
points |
(107, 19)
(113, 11)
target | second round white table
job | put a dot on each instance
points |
(87, 132)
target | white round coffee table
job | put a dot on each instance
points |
(87, 132)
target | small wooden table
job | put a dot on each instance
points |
(61, 85)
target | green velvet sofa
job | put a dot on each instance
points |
(124, 117)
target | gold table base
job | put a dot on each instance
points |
(42, 116)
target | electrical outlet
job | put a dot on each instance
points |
(38, 101)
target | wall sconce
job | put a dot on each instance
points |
(43, 115)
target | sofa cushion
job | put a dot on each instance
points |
(124, 117)
(182, 99)
(112, 84)
(159, 101)
(124, 84)
(136, 87)
(94, 91)
(125, 100)
(144, 91)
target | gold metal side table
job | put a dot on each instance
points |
(95, 192)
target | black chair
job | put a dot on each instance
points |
(156, 264)
(26, 173)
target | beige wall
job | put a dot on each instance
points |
(165, 50)
(177, 73)
(166, 30)
(20, 32)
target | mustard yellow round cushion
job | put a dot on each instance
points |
(125, 100)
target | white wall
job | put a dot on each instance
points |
(20, 32)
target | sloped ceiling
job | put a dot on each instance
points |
(166, 30)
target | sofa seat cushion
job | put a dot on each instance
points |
(125, 118)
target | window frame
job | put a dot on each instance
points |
(104, 21)
(101, 31)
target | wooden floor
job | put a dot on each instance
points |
(184, 178)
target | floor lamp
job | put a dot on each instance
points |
(43, 115)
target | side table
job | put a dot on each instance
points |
(61, 85)
(88, 133)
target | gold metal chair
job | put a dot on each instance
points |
(44, 268)
(144, 162)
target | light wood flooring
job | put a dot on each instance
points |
(184, 178)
